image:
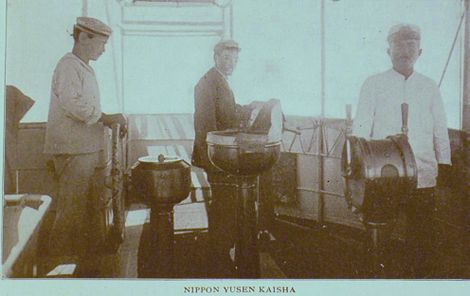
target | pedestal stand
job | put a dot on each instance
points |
(246, 247)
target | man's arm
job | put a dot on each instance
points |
(204, 105)
(364, 119)
(441, 139)
(68, 88)
(440, 132)
(204, 121)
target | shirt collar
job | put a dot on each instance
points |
(88, 67)
(221, 74)
(226, 79)
(401, 76)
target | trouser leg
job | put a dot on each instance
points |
(76, 206)
(93, 229)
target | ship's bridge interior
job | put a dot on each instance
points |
(296, 217)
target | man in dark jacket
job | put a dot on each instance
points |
(215, 109)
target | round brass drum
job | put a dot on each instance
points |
(162, 180)
(378, 174)
(239, 153)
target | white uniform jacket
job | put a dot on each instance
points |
(74, 110)
(379, 115)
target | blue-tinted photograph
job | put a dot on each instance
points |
(236, 146)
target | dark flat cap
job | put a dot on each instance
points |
(226, 44)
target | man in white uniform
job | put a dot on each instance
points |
(379, 115)
(75, 138)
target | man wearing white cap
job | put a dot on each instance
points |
(379, 115)
(75, 138)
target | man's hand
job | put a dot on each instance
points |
(110, 119)
(116, 118)
(256, 105)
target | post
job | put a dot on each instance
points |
(84, 7)
(162, 241)
(246, 249)
(466, 118)
(404, 118)
(466, 74)
(116, 174)
(321, 196)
